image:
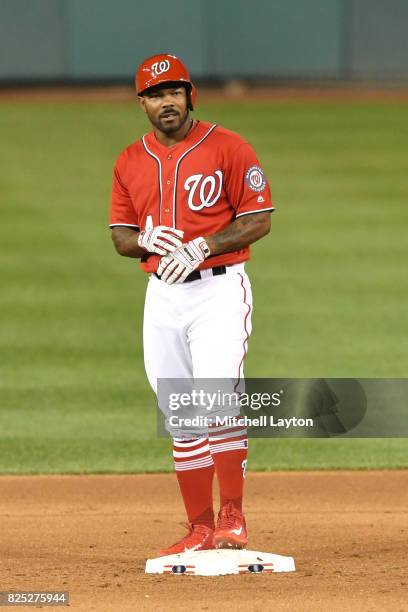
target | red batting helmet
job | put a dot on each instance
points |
(164, 68)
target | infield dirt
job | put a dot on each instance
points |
(91, 535)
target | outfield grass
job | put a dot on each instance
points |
(329, 282)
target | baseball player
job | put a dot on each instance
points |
(188, 199)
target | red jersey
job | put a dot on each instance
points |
(199, 185)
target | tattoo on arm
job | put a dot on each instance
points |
(125, 241)
(240, 233)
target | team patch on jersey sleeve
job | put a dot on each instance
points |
(255, 178)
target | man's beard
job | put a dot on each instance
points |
(174, 126)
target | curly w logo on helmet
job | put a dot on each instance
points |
(160, 67)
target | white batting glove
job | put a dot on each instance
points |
(175, 267)
(160, 239)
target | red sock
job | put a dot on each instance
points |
(230, 458)
(195, 472)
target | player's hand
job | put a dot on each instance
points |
(160, 239)
(175, 267)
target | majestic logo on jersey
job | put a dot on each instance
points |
(206, 189)
(255, 178)
(160, 67)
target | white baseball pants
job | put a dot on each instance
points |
(198, 329)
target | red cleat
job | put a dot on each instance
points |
(199, 537)
(230, 531)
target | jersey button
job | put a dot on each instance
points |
(168, 182)
(169, 156)
(167, 210)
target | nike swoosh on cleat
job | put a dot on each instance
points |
(192, 548)
(237, 531)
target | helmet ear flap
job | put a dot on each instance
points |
(191, 97)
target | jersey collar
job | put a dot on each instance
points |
(193, 137)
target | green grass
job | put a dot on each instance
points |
(329, 282)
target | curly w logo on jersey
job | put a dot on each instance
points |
(208, 190)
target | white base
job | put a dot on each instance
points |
(219, 563)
